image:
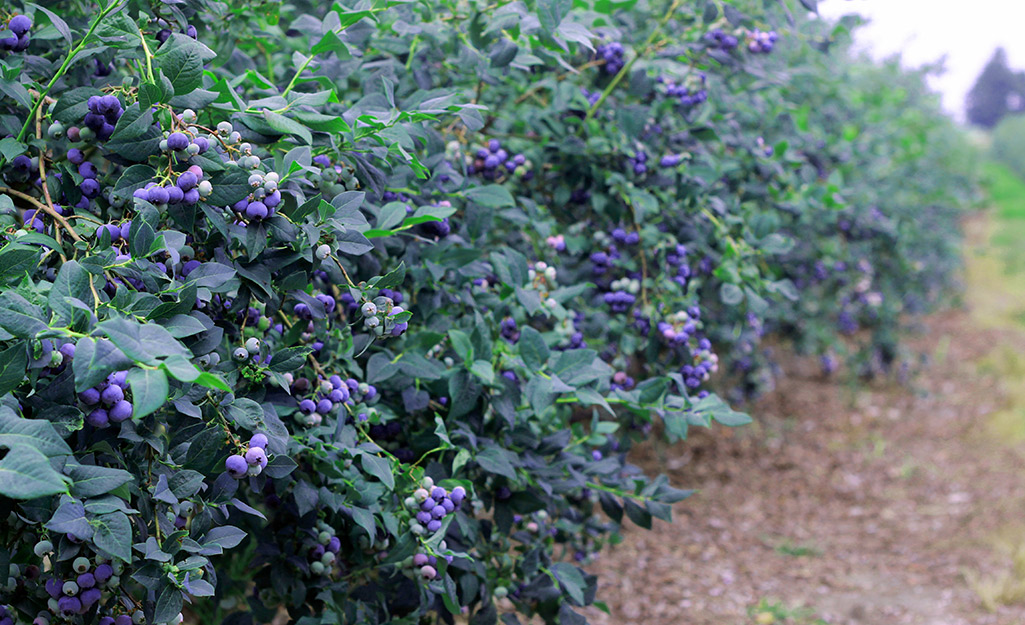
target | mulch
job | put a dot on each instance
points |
(870, 505)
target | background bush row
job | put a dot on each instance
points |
(352, 313)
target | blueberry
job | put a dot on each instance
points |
(112, 394)
(187, 180)
(177, 141)
(19, 24)
(98, 418)
(236, 466)
(256, 456)
(90, 396)
(120, 411)
(241, 354)
(102, 573)
(258, 440)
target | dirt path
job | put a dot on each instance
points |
(876, 506)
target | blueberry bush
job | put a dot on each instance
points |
(351, 313)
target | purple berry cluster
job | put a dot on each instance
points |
(328, 395)
(380, 316)
(690, 92)
(494, 162)
(557, 242)
(82, 589)
(19, 25)
(90, 185)
(165, 31)
(622, 237)
(263, 201)
(677, 258)
(509, 330)
(760, 42)
(188, 189)
(612, 55)
(720, 40)
(436, 230)
(705, 364)
(592, 97)
(252, 462)
(6, 617)
(619, 301)
(432, 504)
(104, 111)
(322, 546)
(639, 162)
(107, 402)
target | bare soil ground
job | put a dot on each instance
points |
(874, 505)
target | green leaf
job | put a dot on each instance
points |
(91, 480)
(731, 294)
(461, 343)
(180, 58)
(496, 460)
(114, 535)
(229, 187)
(35, 433)
(551, 12)
(169, 604)
(533, 349)
(25, 473)
(149, 390)
(492, 196)
(572, 580)
(13, 365)
(71, 282)
(289, 359)
(378, 467)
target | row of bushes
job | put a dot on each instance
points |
(353, 313)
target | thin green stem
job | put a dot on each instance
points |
(65, 65)
(626, 68)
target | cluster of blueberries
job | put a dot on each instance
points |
(19, 25)
(509, 330)
(435, 230)
(323, 554)
(431, 504)
(104, 112)
(690, 93)
(330, 394)
(188, 189)
(494, 161)
(252, 462)
(165, 31)
(107, 402)
(705, 364)
(677, 258)
(620, 301)
(639, 162)
(721, 40)
(378, 316)
(264, 200)
(335, 178)
(760, 42)
(592, 97)
(612, 54)
(79, 594)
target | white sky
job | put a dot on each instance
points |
(923, 31)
